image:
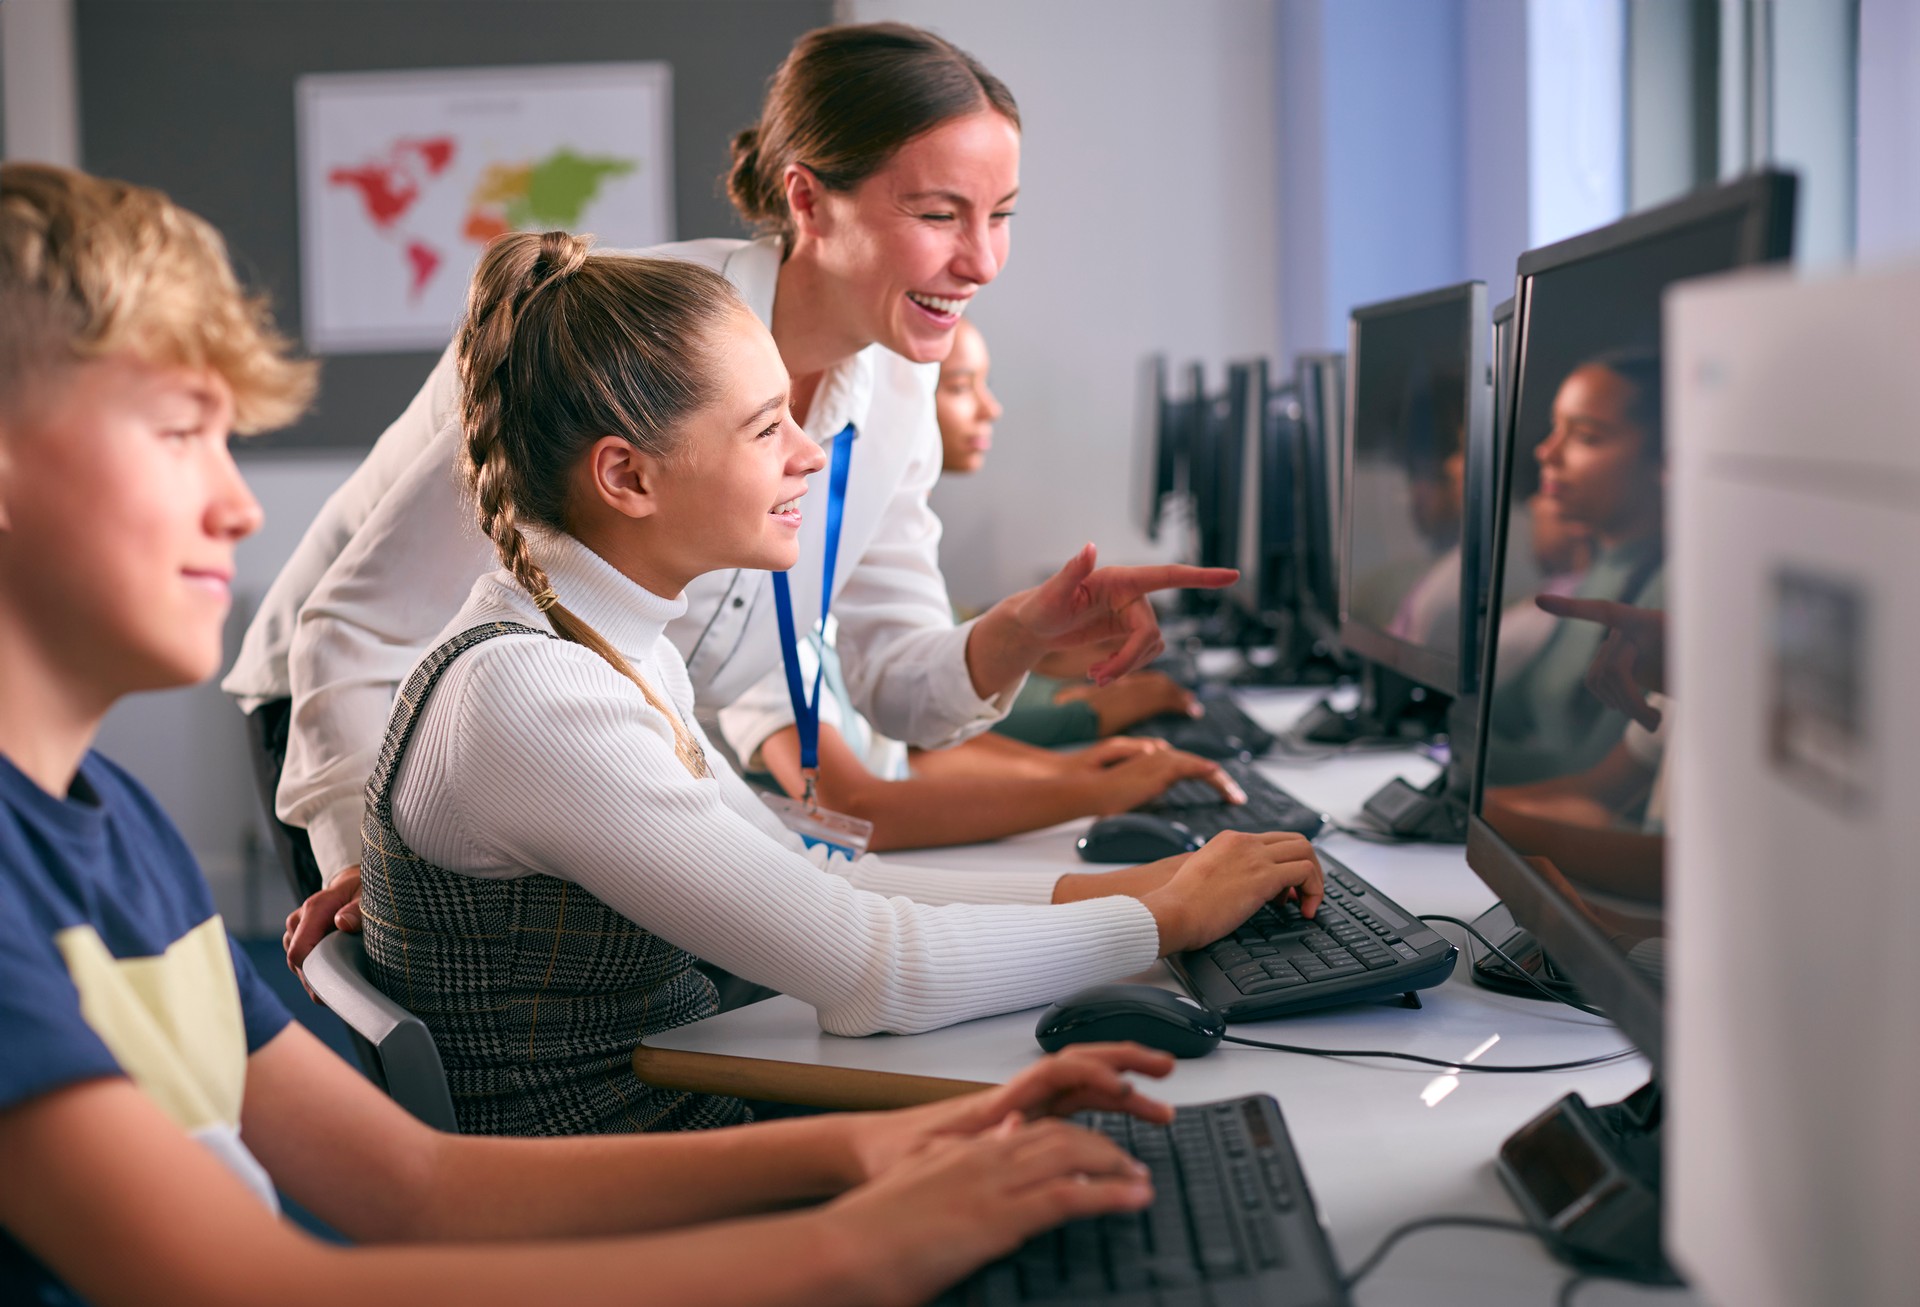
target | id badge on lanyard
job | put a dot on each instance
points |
(819, 827)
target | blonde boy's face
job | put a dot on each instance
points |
(120, 507)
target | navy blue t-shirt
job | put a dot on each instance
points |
(114, 963)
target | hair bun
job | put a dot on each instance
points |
(744, 185)
(561, 254)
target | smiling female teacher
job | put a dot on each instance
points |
(882, 175)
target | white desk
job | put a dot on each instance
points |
(1376, 1152)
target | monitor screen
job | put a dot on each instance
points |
(1416, 373)
(1164, 475)
(1572, 804)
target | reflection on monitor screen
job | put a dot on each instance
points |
(1575, 747)
(1413, 371)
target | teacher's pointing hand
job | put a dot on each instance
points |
(1080, 605)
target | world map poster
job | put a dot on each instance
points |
(405, 177)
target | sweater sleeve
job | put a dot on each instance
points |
(535, 756)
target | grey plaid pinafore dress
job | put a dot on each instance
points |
(535, 991)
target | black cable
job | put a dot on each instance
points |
(1569, 1287)
(1518, 970)
(1455, 1065)
(1373, 836)
(1371, 1262)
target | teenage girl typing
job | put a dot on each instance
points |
(552, 842)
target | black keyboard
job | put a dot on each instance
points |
(1206, 812)
(1359, 947)
(1232, 1223)
(1225, 732)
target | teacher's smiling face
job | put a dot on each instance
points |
(910, 244)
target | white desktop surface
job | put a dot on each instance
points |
(1375, 1152)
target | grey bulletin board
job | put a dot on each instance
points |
(197, 97)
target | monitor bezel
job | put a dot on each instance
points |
(1437, 670)
(1765, 202)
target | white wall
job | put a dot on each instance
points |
(1146, 222)
(37, 81)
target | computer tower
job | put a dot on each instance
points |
(1793, 1137)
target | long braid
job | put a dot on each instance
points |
(498, 422)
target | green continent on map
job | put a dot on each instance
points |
(560, 187)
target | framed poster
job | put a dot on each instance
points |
(405, 177)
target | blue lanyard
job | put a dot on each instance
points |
(806, 713)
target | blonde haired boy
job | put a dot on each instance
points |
(153, 1093)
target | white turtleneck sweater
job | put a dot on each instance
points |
(535, 755)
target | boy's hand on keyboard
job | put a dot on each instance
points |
(1228, 880)
(966, 1200)
(1146, 776)
(1084, 1078)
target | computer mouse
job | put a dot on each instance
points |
(1145, 1014)
(1136, 837)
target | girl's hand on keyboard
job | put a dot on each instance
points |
(1144, 777)
(1215, 890)
(965, 1200)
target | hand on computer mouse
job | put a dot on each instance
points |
(1145, 776)
(1215, 890)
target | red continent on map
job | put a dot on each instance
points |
(423, 259)
(385, 191)
(436, 151)
(388, 187)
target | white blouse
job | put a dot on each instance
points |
(534, 755)
(395, 551)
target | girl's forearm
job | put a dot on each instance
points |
(1135, 881)
(932, 811)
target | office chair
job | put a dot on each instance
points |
(404, 1061)
(267, 740)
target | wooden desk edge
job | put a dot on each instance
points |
(841, 1088)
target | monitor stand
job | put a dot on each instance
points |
(1437, 812)
(1588, 1180)
(1497, 924)
(1282, 650)
(1391, 707)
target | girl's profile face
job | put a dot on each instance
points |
(966, 408)
(1593, 464)
(912, 243)
(731, 494)
(120, 507)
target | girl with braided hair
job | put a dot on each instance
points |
(552, 844)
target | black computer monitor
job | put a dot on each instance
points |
(1320, 383)
(1167, 474)
(1218, 465)
(1265, 553)
(1418, 412)
(1570, 807)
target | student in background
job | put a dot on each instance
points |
(154, 1094)
(882, 174)
(548, 813)
(1058, 705)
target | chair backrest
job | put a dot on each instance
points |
(409, 1063)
